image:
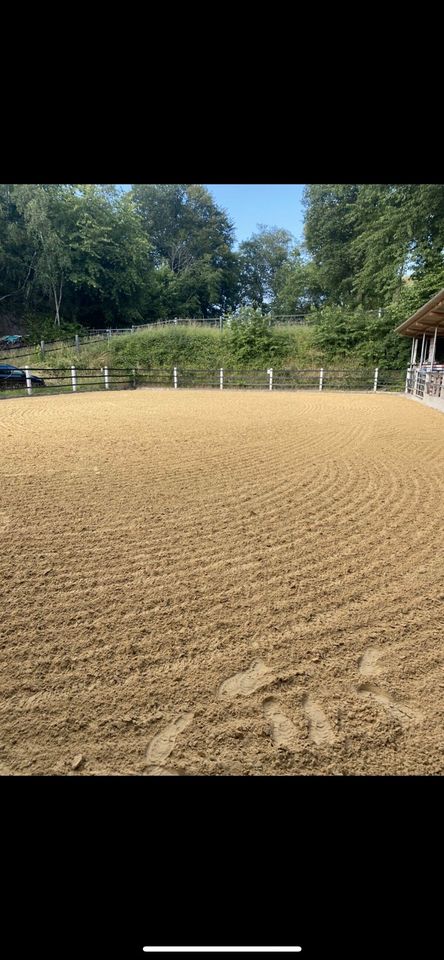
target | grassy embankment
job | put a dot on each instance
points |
(188, 348)
(185, 347)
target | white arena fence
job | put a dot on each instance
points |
(77, 379)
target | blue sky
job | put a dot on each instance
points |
(275, 204)
(247, 204)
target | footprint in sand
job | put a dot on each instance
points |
(368, 663)
(5, 520)
(161, 772)
(163, 743)
(404, 712)
(320, 730)
(248, 681)
(283, 730)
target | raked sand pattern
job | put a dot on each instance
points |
(199, 583)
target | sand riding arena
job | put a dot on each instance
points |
(234, 583)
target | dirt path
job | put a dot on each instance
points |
(207, 583)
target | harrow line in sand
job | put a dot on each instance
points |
(198, 583)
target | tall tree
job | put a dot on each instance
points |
(17, 252)
(365, 238)
(192, 238)
(261, 258)
(297, 286)
(111, 272)
(330, 227)
(48, 229)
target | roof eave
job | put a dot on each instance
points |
(420, 315)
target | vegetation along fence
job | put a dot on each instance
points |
(78, 379)
(95, 335)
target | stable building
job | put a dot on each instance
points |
(425, 375)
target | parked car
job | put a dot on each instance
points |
(11, 377)
(7, 343)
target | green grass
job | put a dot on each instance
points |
(190, 348)
(182, 346)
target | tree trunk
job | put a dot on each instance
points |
(57, 302)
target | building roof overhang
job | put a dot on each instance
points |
(426, 320)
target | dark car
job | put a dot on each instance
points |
(13, 377)
(12, 340)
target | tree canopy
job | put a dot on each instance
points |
(95, 255)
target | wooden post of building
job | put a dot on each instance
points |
(432, 356)
(422, 349)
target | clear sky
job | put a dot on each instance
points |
(247, 204)
(275, 204)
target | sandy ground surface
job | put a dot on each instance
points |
(197, 583)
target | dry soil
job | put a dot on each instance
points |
(207, 583)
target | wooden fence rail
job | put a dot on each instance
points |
(77, 379)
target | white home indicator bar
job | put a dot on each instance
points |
(222, 949)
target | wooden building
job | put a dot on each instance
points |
(425, 375)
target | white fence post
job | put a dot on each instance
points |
(375, 381)
(270, 378)
(77, 343)
(73, 379)
(221, 379)
(105, 371)
(175, 378)
(407, 379)
(42, 347)
(28, 380)
(321, 378)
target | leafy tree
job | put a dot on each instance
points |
(95, 255)
(111, 275)
(48, 230)
(365, 238)
(261, 259)
(17, 252)
(338, 331)
(297, 286)
(192, 238)
(251, 337)
(330, 227)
